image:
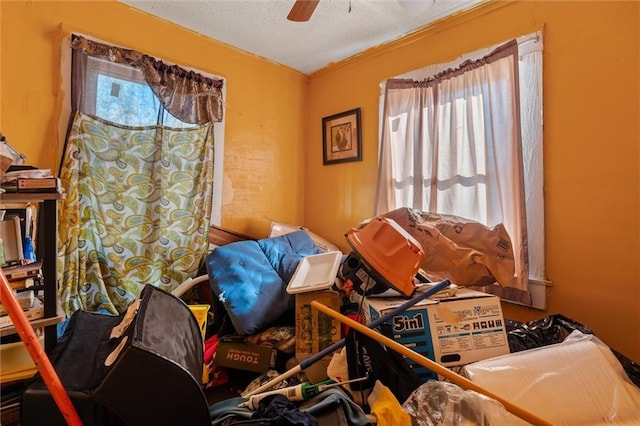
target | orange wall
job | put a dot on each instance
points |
(591, 135)
(591, 139)
(264, 104)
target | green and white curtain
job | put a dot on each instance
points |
(138, 197)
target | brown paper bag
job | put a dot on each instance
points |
(464, 251)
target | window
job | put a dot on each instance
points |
(449, 144)
(138, 171)
(119, 93)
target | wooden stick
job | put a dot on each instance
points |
(306, 363)
(431, 365)
(30, 340)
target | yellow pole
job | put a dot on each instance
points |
(431, 365)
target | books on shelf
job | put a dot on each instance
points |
(19, 272)
(33, 185)
(24, 298)
(26, 172)
(51, 184)
(27, 215)
(34, 312)
(11, 236)
(24, 279)
(24, 283)
(30, 181)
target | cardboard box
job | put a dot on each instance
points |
(245, 356)
(452, 331)
(316, 331)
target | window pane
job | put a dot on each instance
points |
(125, 102)
(171, 121)
(122, 96)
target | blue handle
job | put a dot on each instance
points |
(406, 305)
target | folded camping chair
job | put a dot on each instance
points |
(141, 367)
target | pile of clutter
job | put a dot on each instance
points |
(377, 338)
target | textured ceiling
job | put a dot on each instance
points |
(337, 30)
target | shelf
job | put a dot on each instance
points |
(38, 323)
(28, 197)
(46, 251)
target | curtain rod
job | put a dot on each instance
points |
(535, 38)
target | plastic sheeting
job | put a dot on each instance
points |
(441, 403)
(577, 382)
(554, 329)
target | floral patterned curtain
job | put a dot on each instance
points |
(135, 213)
(138, 197)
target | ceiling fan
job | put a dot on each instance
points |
(302, 10)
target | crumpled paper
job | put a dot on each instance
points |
(463, 251)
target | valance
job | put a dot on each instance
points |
(187, 95)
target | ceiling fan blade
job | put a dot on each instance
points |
(302, 10)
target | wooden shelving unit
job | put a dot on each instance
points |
(39, 323)
(46, 251)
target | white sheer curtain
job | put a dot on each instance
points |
(451, 144)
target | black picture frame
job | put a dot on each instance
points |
(341, 137)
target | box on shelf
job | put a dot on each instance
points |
(37, 185)
(451, 331)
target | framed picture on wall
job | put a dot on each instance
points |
(341, 140)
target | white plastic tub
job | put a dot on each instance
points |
(315, 272)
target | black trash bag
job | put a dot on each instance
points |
(367, 357)
(554, 329)
(546, 331)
